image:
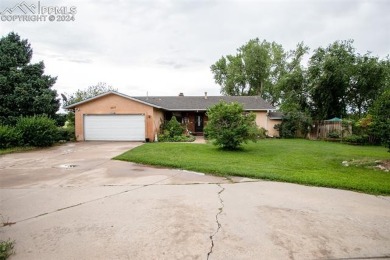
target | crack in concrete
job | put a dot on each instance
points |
(165, 184)
(384, 198)
(46, 157)
(220, 210)
(92, 200)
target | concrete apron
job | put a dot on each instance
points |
(104, 209)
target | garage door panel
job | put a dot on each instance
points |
(114, 127)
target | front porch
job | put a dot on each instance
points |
(193, 121)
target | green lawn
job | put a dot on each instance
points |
(314, 163)
(16, 150)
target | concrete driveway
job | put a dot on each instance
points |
(73, 202)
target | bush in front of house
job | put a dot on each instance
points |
(229, 126)
(66, 133)
(9, 137)
(174, 128)
(172, 131)
(37, 131)
(261, 133)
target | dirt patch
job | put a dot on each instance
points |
(383, 165)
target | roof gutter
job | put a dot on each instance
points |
(72, 106)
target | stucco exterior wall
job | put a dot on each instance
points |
(158, 116)
(262, 120)
(114, 104)
(271, 131)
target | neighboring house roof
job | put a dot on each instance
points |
(201, 103)
(190, 103)
(276, 115)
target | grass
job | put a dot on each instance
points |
(306, 162)
(16, 150)
(6, 249)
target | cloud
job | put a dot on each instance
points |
(167, 46)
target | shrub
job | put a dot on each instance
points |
(184, 138)
(6, 249)
(9, 137)
(165, 137)
(37, 130)
(294, 124)
(334, 134)
(357, 139)
(174, 128)
(66, 133)
(71, 132)
(172, 131)
(60, 119)
(285, 132)
(229, 126)
(261, 133)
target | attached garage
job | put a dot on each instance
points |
(113, 116)
(114, 127)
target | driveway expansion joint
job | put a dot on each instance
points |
(133, 188)
(219, 226)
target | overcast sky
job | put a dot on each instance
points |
(166, 47)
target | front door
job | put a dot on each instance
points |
(199, 123)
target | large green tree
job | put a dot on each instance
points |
(380, 111)
(292, 87)
(253, 70)
(24, 88)
(330, 70)
(343, 83)
(370, 77)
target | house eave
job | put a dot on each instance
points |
(72, 106)
(203, 109)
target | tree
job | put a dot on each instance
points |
(81, 95)
(293, 85)
(330, 71)
(254, 70)
(24, 89)
(369, 78)
(380, 112)
(90, 92)
(229, 126)
(343, 82)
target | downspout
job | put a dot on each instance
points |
(266, 122)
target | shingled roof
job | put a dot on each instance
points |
(201, 103)
(189, 103)
(275, 115)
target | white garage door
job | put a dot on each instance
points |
(114, 127)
